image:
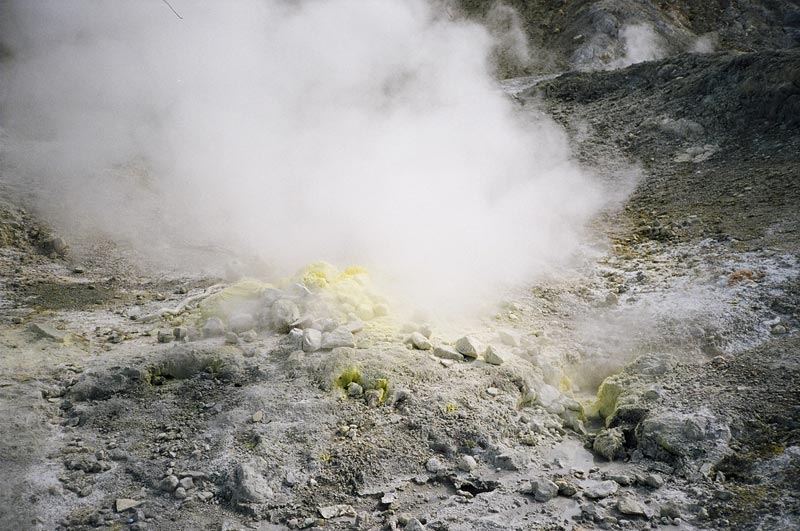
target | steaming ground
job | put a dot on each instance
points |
(649, 381)
(293, 134)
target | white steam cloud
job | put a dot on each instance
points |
(352, 131)
(640, 43)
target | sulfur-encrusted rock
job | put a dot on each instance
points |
(610, 443)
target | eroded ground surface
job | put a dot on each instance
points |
(656, 385)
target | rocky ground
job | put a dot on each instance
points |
(656, 385)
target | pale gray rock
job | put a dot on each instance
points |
(510, 338)
(284, 312)
(169, 483)
(542, 489)
(693, 436)
(241, 322)
(468, 346)
(467, 463)
(629, 506)
(340, 337)
(312, 340)
(420, 342)
(165, 336)
(125, 504)
(213, 327)
(600, 489)
(495, 355)
(434, 465)
(248, 485)
(335, 511)
(447, 353)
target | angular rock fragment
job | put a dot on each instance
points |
(495, 355)
(447, 353)
(340, 337)
(468, 346)
(312, 340)
(420, 342)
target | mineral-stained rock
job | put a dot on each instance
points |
(610, 443)
(693, 436)
(312, 340)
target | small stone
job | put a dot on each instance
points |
(187, 483)
(468, 346)
(335, 511)
(354, 327)
(566, 488)
(169, 483)
(414, 525)
(373, 397)
(205, 495)
(434, 465)
(354, 389)
(241, 322)
(312, 340)
(622, 479)
(542, 489)
(180, 332)
(467, 463)
(492, 391)
(258, 416)
(337, 338)
(510, 338)
(124, 504)
(180, 493)
(48, 332)
(420, 342)
(654, 480)
(495, 356)
(629, 506)
(610, 443)
(778, 330)
(600, 489)
(249, 336)
(231, 338)
(389, 498)
(306, 321)
(284, 312)
(213, 327)
(447, 363)
(447, 353)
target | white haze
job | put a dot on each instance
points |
(352, 131)
(640, 43)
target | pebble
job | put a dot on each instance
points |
(312, 340)
(420, 342)
(467, 463)
(542, 489)
(600, 489)
(447, 353)
(492, 391)
(629, 506)
(180, 332)
(447, 363)
(213, 327)
(338, 338)
(258, 416)
(354, 389)
(231, 338)
(169, 483)
(241, 322)
(468, 346)
(335, 511)
(187, 483)
(434, 465)
(124, 504)
(654, 480)
(284, 313)
(180, 493)
(495, 356)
